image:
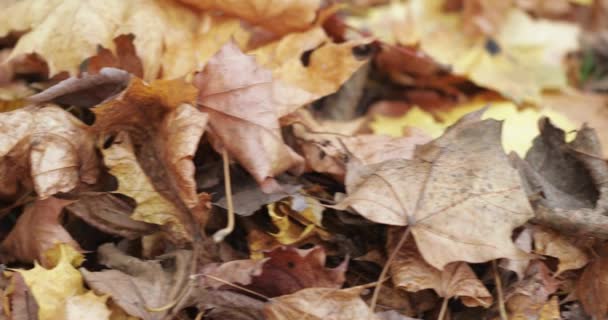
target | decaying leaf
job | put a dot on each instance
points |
(243, 118)
(38, 230)
(571, 184)
(138, 286)
(320, 304)
(45, 149)
(410, 272)
(21, 303)
(461, 181)
(155, 134)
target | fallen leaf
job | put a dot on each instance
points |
(320, 304)
(279, 16)
(569, 191)
(289, 270)
(241, 109)
(167, 35)
(52, 287)
(137, 285)
(21, 303)
(45, 149)
(109, 214)
(37, 230)
(550, 243)
(457, 280)
(461, 181)
(592, 288)
(155, 134)
(524, 242)
(86, 306)
(234, 272)
(298, 82)
(519, 127)
(527, 298)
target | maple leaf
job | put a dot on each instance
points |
(279, 16)
(166, 34)
(37, 230)
(242, 109)
(138, 286)
(54, 288)
(45, 149)
(320, 304)
(459, 195)
(457, 279)
(155, 134)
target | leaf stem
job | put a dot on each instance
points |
(382, 277)
(444, 308)
(501, 299)
(222, 233)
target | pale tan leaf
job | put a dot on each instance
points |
(550, 243)
(320, 304)
(243, 117)
(459, 195)
(45, 149)
(457, 280)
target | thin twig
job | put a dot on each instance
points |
(382, 277)
(222, 233)
(444, 309)
(501, 299)
(228, 283)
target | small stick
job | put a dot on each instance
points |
(382, 277)
(444, 308)
(222, 233)
(501, 299)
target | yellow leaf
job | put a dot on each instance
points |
(51, 287)
(519, 128)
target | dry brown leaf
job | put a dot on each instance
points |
(155, 132)
(136, 285)
(324, 69)
(109, 214)
(524, 242)
(459, 195)
(526, 299)
(320, 304)
(243, 118)
(45, 149)
(289, 270)
(168, 36)
(37, 230)
(592, 288)
(235, 272)
(550, 243)
(279, 16)
(457, 280)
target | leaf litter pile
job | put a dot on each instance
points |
(303, 159)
